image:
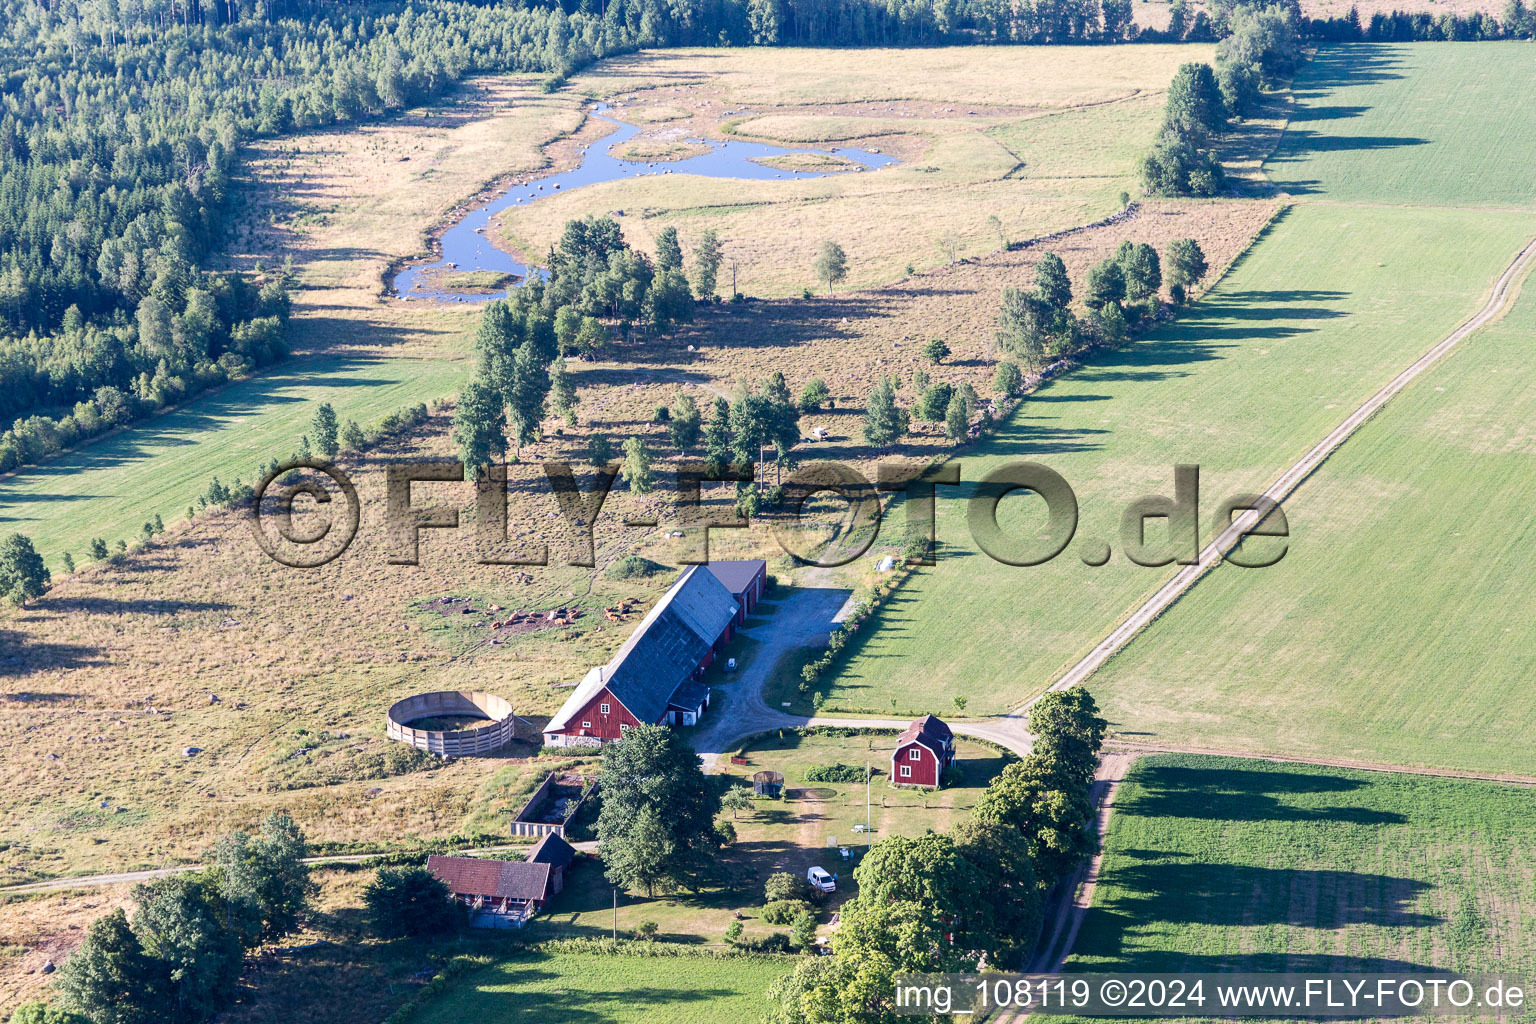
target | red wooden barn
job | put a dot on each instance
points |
(746, 579)
(922, 753)
(656, 677)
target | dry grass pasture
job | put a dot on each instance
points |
(202, 612)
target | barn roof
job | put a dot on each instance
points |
(737, 575)
(929, 731)
(663, 651)
(496, 879)
(551, 850)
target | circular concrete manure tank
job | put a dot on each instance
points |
(500, 729)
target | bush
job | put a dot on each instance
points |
(784, 911)
(835, 772)
(778, 942)
(633, 567)
(784, 886)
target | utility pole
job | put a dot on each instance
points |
(868, 819)
(615, 913)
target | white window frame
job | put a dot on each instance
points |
(623, 727)
(914, 754)
(602, 709)
(586, 725)
(906, 771)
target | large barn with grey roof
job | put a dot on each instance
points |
(657, 676)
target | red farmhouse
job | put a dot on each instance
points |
(656, 677)
(922, 753)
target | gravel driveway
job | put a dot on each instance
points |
(801, 617)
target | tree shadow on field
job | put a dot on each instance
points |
(130, 606)
(20, 655)
(1213, 794)
(1110, 927)
(221, 409)
(1351, 64)
(1177, 890)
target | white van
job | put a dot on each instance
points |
(819, 879)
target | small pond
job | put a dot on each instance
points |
(465, 247)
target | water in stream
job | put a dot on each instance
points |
(465, 246)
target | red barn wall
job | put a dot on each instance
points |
(603, 726)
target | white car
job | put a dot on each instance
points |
(819, 879)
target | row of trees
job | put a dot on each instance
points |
(917, 908)
(1515, 21)
(1039, 325)
(179, 958)
(1260, 47)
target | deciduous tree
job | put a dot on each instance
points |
(831, 264)
(656, 825)
(23, 575)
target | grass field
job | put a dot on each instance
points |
(1329, 305)
(108, 489)
(587, 988)
(1221, 864)
(1392, 631)
(1396, 628)
(342, 205)
(1042, 138)
(1424, 123)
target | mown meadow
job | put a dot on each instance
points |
(1396, 627)
(595, 988)
(1329, 305)
(1224, 864)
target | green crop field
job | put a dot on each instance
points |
(1394, 630)
(1326, 308)
(541, 988)
(1424, 123)
(109, 488)
(1398, 626)
(1221, 864)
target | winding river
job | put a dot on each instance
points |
(466, 247)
